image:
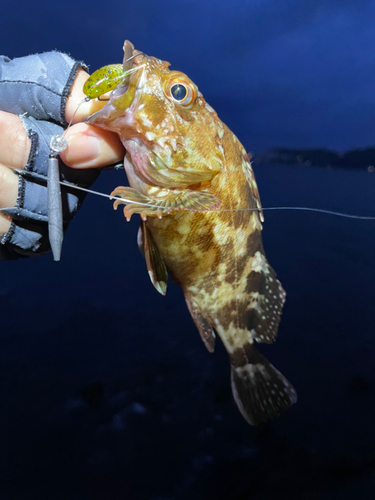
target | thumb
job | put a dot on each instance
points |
(90, 147)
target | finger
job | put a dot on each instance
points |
(8, 195)
(89, 147)
(5, 223)
(14, 141)
(8, 187)
(74, 102)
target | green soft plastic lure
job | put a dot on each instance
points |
(104, 80)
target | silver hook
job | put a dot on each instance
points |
(134, 55)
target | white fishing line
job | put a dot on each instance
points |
(104, 195)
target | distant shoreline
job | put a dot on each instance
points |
(355, 159)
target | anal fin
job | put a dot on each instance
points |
(154, 261)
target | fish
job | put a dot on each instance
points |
(192, 183)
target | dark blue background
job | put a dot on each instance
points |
(106, 389)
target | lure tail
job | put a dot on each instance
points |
(259, 389)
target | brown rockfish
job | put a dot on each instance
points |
(192, 183)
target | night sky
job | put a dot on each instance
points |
(280, 73)
(106, 391)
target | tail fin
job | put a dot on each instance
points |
(259, 389)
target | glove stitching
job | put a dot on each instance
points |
(34, 138)
(9, 234)
(22, 184)
(66, 90)
(21, 189)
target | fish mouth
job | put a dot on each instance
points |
(133, 81)
(124, 95)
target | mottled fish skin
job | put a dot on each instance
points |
(216, 257)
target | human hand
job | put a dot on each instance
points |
(88, 147)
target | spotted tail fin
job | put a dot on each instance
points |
(259, 389)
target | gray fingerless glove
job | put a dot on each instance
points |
(39, 86)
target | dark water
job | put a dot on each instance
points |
(108, 393)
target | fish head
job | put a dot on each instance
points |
(164, 123)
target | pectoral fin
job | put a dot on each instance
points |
(164, 176)
(189, 200)
(154, 261)
(141, 240)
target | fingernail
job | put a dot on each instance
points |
(82, 149)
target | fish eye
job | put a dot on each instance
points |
(181, 90)
(178, 91)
